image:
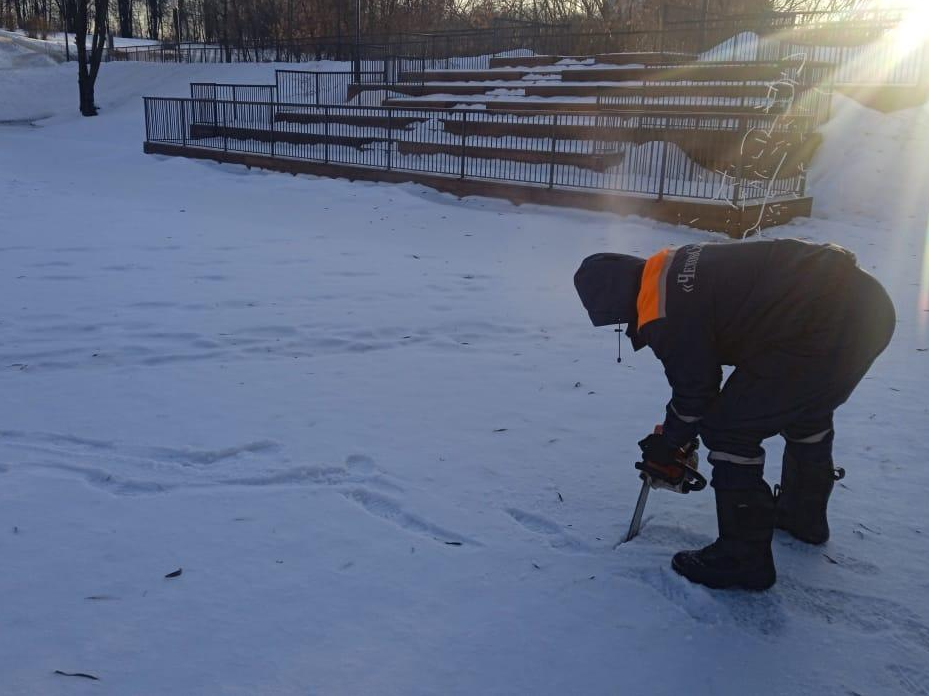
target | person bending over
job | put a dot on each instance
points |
(801, 323)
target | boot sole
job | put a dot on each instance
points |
(757, 584)
(813, 541)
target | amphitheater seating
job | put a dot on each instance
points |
(643, 123)
(562, 84)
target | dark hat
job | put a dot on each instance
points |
(608, 285)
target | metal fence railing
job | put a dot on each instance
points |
(323, 87)
(732, 158)
(206, 94)
(233, 92)
(850, 40)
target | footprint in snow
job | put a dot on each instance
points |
(557, 536)
(391, 511)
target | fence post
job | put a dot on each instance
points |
(664, 159)
(326, 131)
(464, 128)
(551, 159)
(148, 132)
(802, 166)
(737, 193)
(183, 121)
(225, 130)
(316, 90)
(390, 136)
(235, 106)
(272, 119)
(214, 112)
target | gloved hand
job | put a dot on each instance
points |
(667, 466)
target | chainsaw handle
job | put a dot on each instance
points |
(693, 481)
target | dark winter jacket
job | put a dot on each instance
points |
(771, 308)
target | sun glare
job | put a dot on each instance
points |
(914, 31)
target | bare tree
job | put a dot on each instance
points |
(124, 10)
(156, 13)
(88, 64)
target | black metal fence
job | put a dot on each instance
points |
(233, 92)
(324, 87)
(850, 40)
(732, 158)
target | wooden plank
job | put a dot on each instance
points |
(595, 162)
(491, 105)
(529, 61)
(525, 106)
(362, 120)
(645, 58)
(266, 135)
(741, 72)
(465, 75)
(418, 90)
(632, 57)
(731, 91)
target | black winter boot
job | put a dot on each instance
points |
(803, 496)
(741, 557)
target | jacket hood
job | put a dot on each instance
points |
(608, 285)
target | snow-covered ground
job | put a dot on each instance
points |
(373, 426)
(17, 52)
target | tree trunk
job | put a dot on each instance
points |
(86, 90)
(155, 15)
(124, 9)
(88, 64)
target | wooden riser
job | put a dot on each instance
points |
(596, 163)
(556, 89)
(732, 91)
(466, 75)
(362, 121)
(530, 61)
(419, 90)
(697, 73)
(492, 105)
(198, 132)
(700, 72)
(649, 58)
(568, 131)
(645, 58)
(512, 107)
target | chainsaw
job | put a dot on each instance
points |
(681, 477)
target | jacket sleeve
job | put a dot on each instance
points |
(693, 371)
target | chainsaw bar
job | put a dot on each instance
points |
(693, 481)
(636, 524)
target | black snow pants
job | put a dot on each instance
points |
(794, 390)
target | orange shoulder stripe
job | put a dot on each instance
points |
(650, 303)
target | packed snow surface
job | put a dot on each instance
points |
(373, 427)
